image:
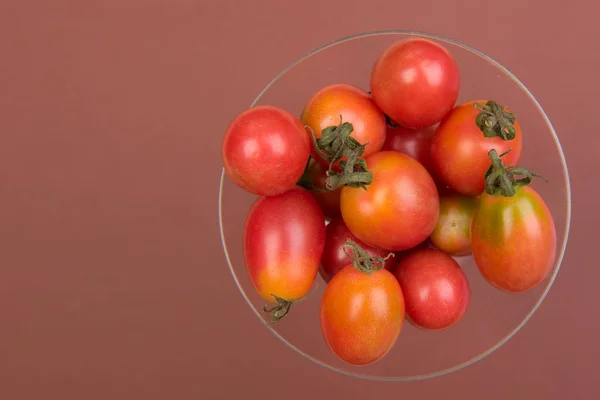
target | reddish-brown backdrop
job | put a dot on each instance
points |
(113, 284)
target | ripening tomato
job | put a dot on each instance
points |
(413, 142)
(400, 207)
(435, 289)
(336, 255)
(460, 149)
(265, 150)
(283, 240)
(415, 82)
(452, 232)
(315, 178)
(513, 239)
(362, 315)
(355, 106)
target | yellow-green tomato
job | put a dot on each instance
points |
(452, 233)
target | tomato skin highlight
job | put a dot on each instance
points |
(362, 315)
(265, 150)
(435, 289)
(459, 150)
(334, 257)
(399, 209)
(283, 241)
(355, 106)
(513, 240)
(452, 233)
(415, 82)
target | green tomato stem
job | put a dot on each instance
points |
(494, 121)
(500, 179)
(280, 310)
(362, 260)
(337, 143)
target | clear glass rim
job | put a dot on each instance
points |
(560, 253)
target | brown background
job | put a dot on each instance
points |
(113, 284)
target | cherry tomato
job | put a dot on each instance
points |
(415, 82)
(315, 180)
(460, 150)
(362, 315)
(283, 240)
(513, 239)
(355, 106)
(336, 255)
(413, 142)
(265, 150)
(400, 207)
(435, 289)
(452, 232)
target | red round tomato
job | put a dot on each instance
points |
(460, 150)
(415, 82)
(265, 150)
(413, 142)
(315, 180)
(337, 255)
(452, 232)
(435, 289)
(513, 239)
(400, 207)
(362, 315)
(283, 240)
(355, 106)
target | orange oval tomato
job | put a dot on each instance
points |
(513, 239)
(459, 150)
(400, 207)
(362, 315)
(283, 240)
(452, 233)
(355, 106)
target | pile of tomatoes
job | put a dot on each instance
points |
(378, 191)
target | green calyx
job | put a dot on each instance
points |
(362, 260)
(283, 306)
(500, 179)
(337, 144)
(280, 310)
(494, 121)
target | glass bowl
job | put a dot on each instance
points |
(493, 317)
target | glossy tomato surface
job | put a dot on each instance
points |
(452, 233)
(329, 200)
(435, 289)
(400, 207)
(415, 82)
(513, 240)
(459, 150)
(337, 255)
(265, 150)
(355, 106)
(413, 142)
(283, 241)
(362, 315)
